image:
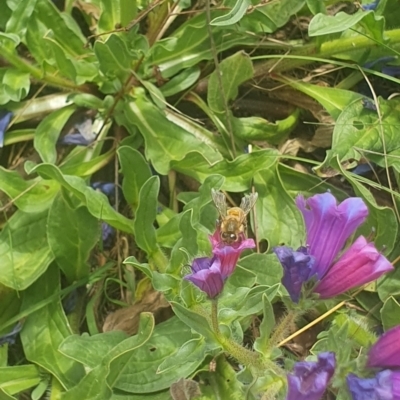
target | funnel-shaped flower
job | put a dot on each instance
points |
(297, 266)
(361, 263)
(310, 379)
(206, 275)
(229, 253)
(328, 227)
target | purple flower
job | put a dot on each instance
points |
(5, 118)
(328, 227)
(229, 254)
(310, 379)
(385, 353)
(297, 267)
(206, 275)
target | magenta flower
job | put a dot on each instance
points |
(361, 263)
(310, 378)
(206, 275)
(328, 227)
(229, 254)
(384, 354)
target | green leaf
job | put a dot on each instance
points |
(72, 233)
(136, 172)
(90, 350)
(323, 24)
(190, 44)
(267, 325)
(238, 173)
(93, 386)
(271, 16)
(30, 196)
(16, 84)
(62, 59)
(64, 28)
(181, 82)
(256, 128)
(110, 16)
(381, 220)
(113, 57)
(224, 383)
(234, 70)
(316, 6)
(332, 99)
(359, 132)
(146, 215)
(19, 378)
(165, 141)
(20, 16)
(24, 252)
(233, 16)
(48, 132)
(278, 219)
(96, 202)
(194, 320)
(191, 351)
(266, 267)
(45, 329)
(138, 372)
(390, 313)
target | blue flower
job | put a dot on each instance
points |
(297, 267)
(370, 6)
(82, 136)
(5, 118)
(384, 354)
(11, 337)
(310, 379)
(380, 387)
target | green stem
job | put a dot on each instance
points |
(160, 260)
(327, 49)
(284, 326)
(214, 317)
(12, 58)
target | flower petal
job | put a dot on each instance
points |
(385, 353)
(310, 379)
(360, 264)
(201, 263)
(379, 387)
(5, 118)
(329, 225)
(209, 280)
(229, 254)
(297, 266)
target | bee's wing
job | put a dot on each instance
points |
(248, 202)
(219, 201)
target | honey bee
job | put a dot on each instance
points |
(232, 221)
